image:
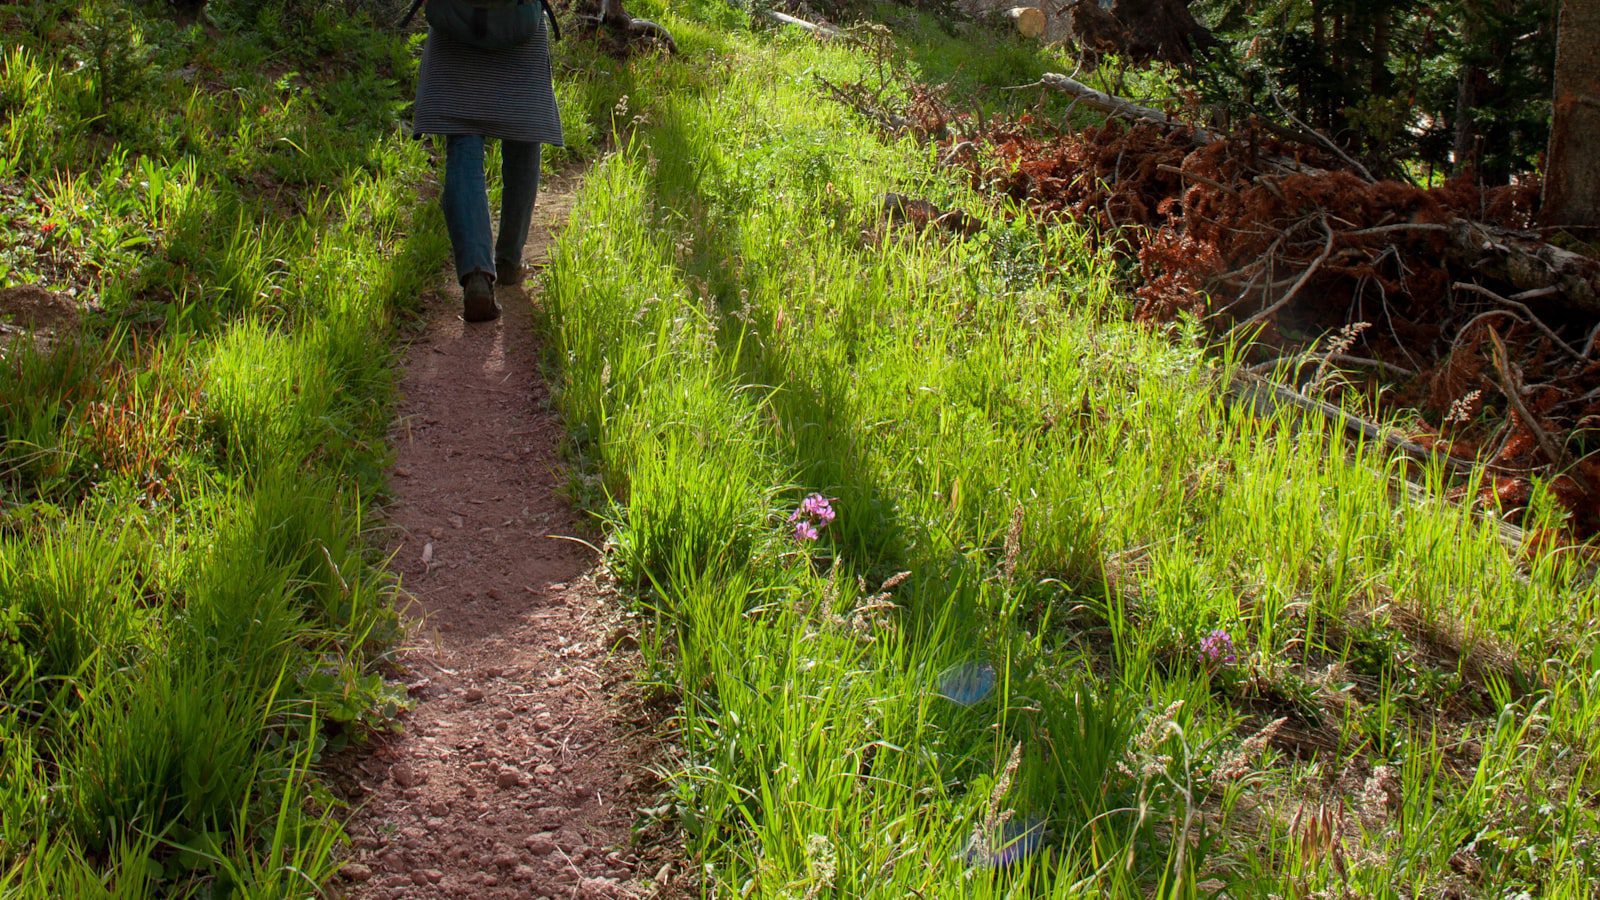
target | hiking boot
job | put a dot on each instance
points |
(509, 274)
(477, 295)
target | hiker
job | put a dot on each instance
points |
(486, 74)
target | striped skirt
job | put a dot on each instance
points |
(504, 94)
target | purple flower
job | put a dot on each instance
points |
(814, 514)
(817, 507)
(1217, 648)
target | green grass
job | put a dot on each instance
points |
(190, 613)
(733, 328)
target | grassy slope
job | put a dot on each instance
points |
(188, 610)
(734, 329)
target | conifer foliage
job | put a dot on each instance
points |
(1453, 86)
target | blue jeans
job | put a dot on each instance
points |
(466, 203)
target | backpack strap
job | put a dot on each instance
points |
(555, 27)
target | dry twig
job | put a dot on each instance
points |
(1523, 308)
(1300, 283)
(1557, 453)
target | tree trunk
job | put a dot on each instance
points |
(1316, 97)
(1140, 30)
(612, 13)
(1379, 79)
(626, 32)
(1466, 145)
(1572, 176)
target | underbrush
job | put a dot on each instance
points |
(967, 586)
(190, 614)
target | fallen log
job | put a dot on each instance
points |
(1266, 397)
(644, 28)
(629, 29)
(826, 32)
(1117, 106)
(1127, 109)
(900, 209)
(1527, 263)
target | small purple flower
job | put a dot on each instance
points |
(814, 514)
(817, 507)
(1217, 648)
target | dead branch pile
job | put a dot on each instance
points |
(1437, 300)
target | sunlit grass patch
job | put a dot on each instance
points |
(190, 612)
(1149, 643)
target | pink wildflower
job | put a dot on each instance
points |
(814, 514)
(1217, 648)
(818, 507)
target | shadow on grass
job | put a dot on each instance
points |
(812, 420)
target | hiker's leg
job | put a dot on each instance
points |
(466, 205)
(519, 183)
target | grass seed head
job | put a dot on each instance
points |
(1013, 547)
(993, 818)
(1240, 762)
(824, 864)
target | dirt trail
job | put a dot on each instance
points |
(518, 771)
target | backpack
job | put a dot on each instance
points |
(487, 24)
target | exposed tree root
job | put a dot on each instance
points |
(626, 34)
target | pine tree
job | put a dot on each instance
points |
(1572, 179)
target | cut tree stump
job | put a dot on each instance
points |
(1028, 20)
